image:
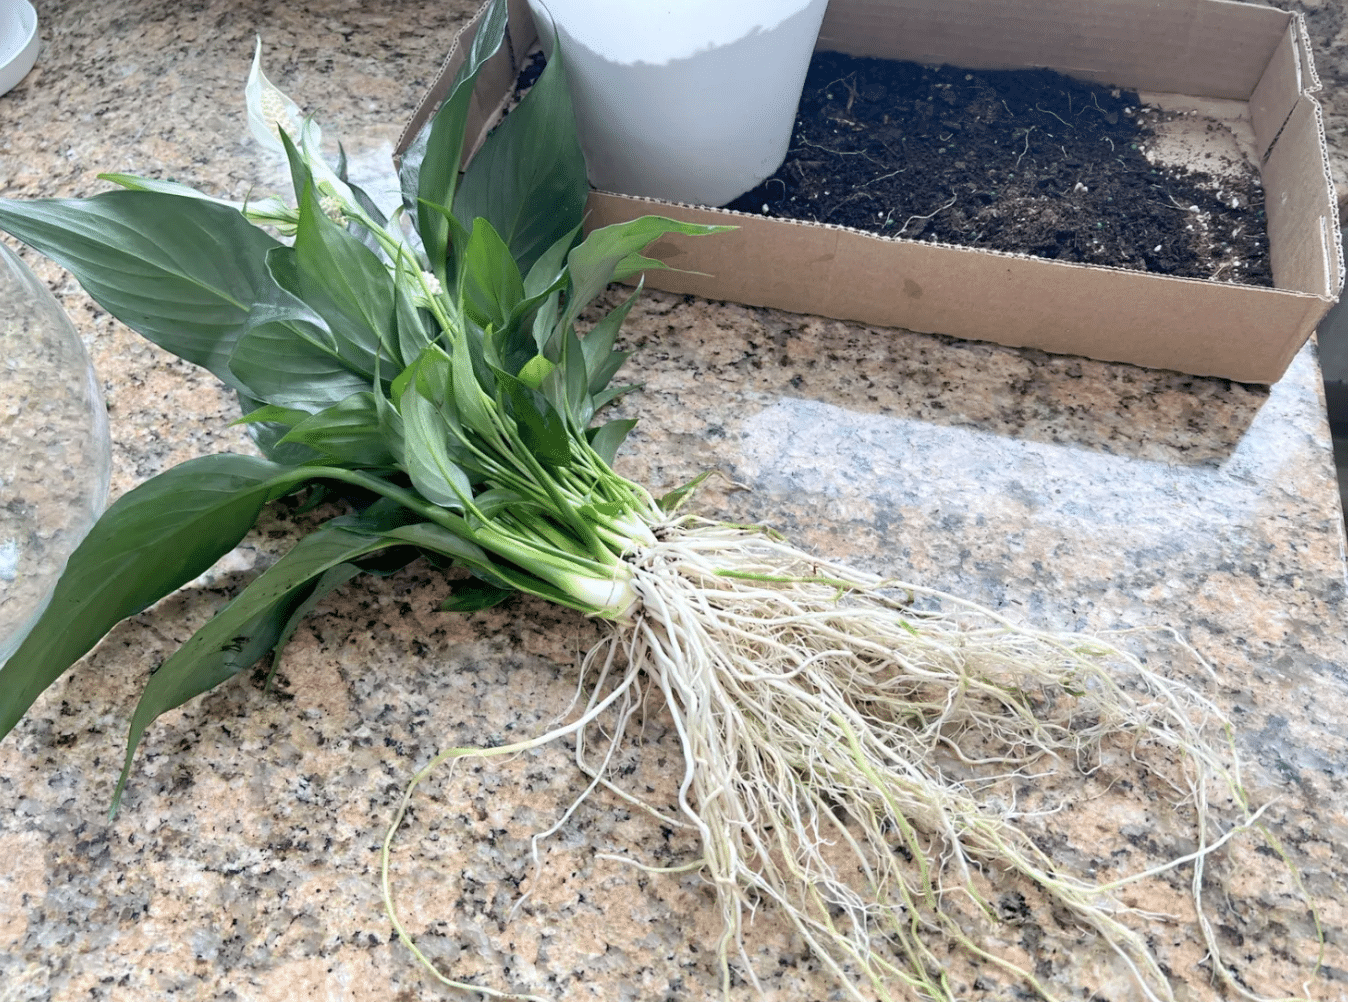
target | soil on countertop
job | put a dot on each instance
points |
(1026, 161)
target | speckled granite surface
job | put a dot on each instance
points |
(244, 863)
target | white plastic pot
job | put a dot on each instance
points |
(18, 41)
(685, 100)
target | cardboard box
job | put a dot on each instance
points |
(1211, 52)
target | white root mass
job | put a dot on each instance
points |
(848, 757)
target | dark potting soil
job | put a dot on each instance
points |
(1028, 161)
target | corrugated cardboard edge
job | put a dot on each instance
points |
(1333, 222)
(1206, 328)
(1206, 48)
(1110, 314)
(487, 104)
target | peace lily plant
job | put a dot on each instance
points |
(845, 749)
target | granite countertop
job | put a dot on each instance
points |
(244, 862)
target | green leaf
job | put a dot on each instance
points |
(604, 397)
(673, 500)
(542, 430)
(328, 581)
(412, 325)
(567, 386)
(549, 271)
(430, 168)
(535, 371)
(547, 324)
(474, 595)
(528, 179)
(155, 539)
(608, 437)
(283, 367)
(137, 183)
(601, 361)
(268, 434)
(252, 624)
(289, 357)
(390, 422)
(370, 207)
(491, 281)
(438, 539)
(344, 282)
(474, 407)
(301, 177)
(426, 455)
(272, 414)
(183, 271)
(429, 371)
(498, 500)
(594, 262)
(349, 432)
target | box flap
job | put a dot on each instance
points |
(496, 80)
(1299, 204)
(1206, 48)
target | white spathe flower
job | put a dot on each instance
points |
(269, 110)
(423, 290)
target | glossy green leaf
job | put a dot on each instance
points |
(267, 435)
(568, 386)
(328, 582)
(367, 204)
(288, 357)
(344, 282)
(272, 414)
(252, 624)
(438, 539)
(427, 458)
(497, 500)
(533, 372)
(389, 421)
(474, 595)
(541, 429)
(549, 271)
(492, 284)
(547, 324)
(414, 325)
(671, 501)
(473, 406)
(430, 169)
(301, 177)
(528, 179)
(600, 400)
(183, 271)
(429, 372)
(608, 437)
(136, 183)
(595, 260)
(349, 432)
(155, 539)
(601, 361)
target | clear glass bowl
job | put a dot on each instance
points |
(54, 448)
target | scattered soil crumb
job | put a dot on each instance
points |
(1027, 161)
